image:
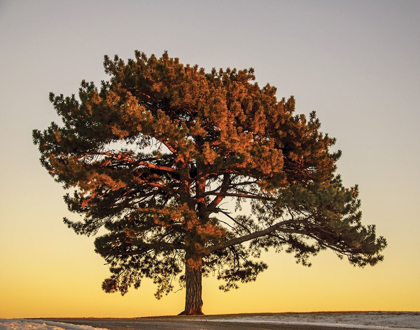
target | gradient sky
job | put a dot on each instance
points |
(357, 63)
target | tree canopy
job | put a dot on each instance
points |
(156, 156)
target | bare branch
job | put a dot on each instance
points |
(235, 221)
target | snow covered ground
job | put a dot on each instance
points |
(20, 324)
(361, 320)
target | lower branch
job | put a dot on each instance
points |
(239, 240)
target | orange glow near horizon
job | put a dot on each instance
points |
(66, 282)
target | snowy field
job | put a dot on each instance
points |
(362, 320)
(21, 324)
(371, 320)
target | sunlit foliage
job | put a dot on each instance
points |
(154, 155)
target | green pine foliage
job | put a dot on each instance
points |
(154, 154)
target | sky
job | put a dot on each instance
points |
(356, 63)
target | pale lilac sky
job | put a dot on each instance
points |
(355, 62)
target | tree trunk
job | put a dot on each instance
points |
(193, 283)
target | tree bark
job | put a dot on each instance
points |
(193, 283)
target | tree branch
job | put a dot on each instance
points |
(223, 189)
(244, 195)
(152, 246)
(121, 157)
(239, 240)
(234, 220)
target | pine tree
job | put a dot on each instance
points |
(156, 153)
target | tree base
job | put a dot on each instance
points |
(190, 313)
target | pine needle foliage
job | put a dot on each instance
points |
(156, 154)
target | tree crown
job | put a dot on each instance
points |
(153, 154)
